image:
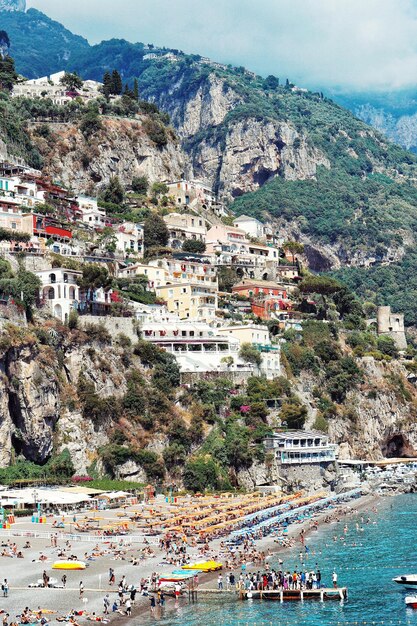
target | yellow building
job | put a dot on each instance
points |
(190, 300)
(157, 276)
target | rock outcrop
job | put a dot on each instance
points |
(122, 148)
(250, 153)
(381, 419)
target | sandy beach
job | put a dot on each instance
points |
(23, 572)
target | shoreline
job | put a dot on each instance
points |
(267, 543)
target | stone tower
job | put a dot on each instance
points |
(12, 5)
(392, 324)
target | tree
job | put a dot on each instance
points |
(194, 246)
(136, 89)
(227, 278)
(71, 81)
(116, 83)
(250, 354)
(159, 189)
(114, 191)
(386, 345)
(61, 465)
(90, 122)
(174, 455)
(201, 473)
(8, 74)
(24, 287)
(294, 247)
(155, 231)
(294, 414)
(94, 277)
(271, 82)
(319, 284)
(107, 85)
(107, 240)
(12, 235)
(140, 184)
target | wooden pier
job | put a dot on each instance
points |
(280, 595)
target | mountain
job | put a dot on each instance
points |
(392, 113)
(39, 45)
(12, 5)
(278, 152)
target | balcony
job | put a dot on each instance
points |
(304, 456)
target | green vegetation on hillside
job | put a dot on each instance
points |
(39, 45)
(394, 285)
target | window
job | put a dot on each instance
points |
(52, 278)
(14, 225)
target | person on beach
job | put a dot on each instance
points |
(5, 587)
(111, 576)
(153, 604)
(81, 588)
(220, 582)
(128, 606)
(64, 581)
(106, 602)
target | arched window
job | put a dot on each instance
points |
(52, 278)
(51, 293)
(65, 278)
(72, 293)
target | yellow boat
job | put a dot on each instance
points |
(69, 565)
(205, 566)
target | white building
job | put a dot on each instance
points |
(59, 290)
(196, 346)
(51, 87)
(300, 447)
(90, 213)
(258, 336)
(129, 239)
(251, 226)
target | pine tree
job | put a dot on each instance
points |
(107, 85)
(117, 85)
(136, 89)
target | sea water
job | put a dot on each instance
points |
(365, 562)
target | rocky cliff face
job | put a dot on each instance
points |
(250, 153)
(39, 410)
(122, 148)
(381, 421)
(236, 155)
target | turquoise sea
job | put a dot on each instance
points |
(365, 564)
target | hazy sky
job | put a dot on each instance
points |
(348, 43)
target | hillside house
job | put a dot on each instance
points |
(157, 276)
(59, 291)
(255, 288)
(129, 239)
(184, 226)
(296, 447)
(185, 192)
(190, 300)
(251, 226)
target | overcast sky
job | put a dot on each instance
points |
(349, 43)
